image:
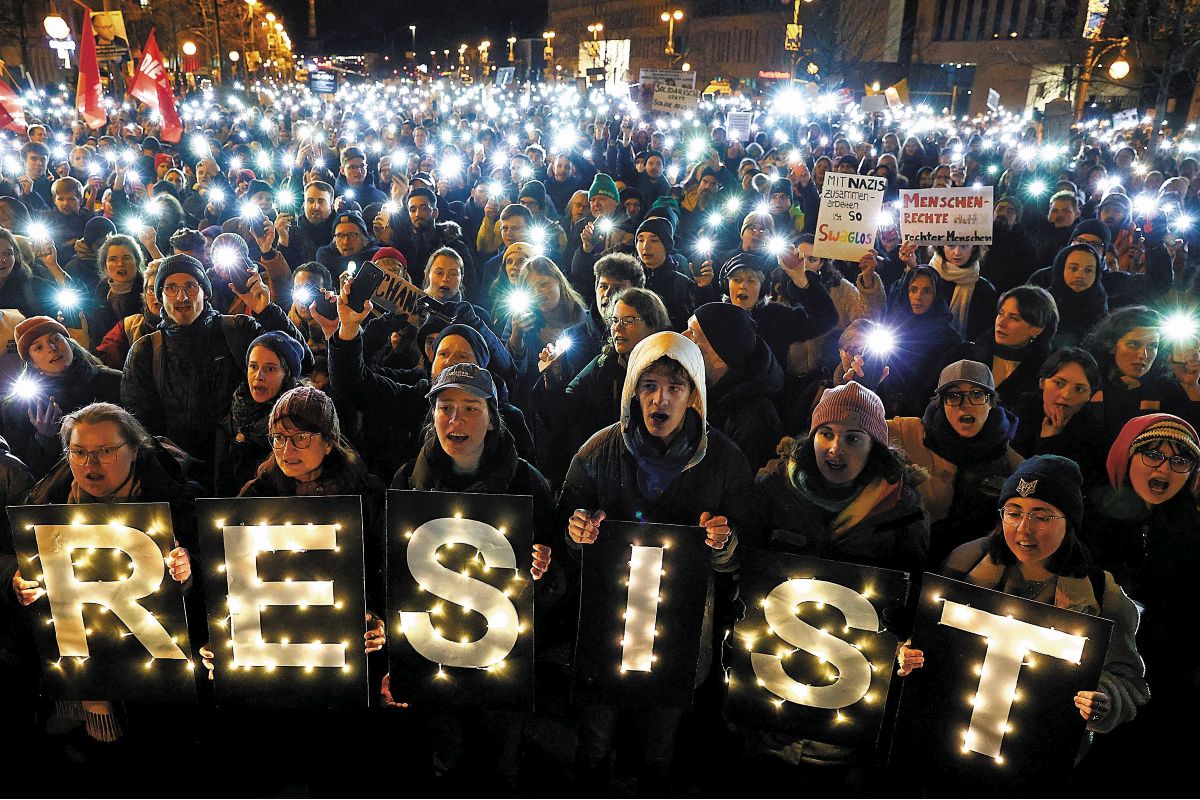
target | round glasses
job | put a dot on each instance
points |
(300, 441)
(1037, 519)
(1181, 464)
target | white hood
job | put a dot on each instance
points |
(681, 349)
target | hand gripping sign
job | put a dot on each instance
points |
(111, 623)
(286, 611)
(460, 599)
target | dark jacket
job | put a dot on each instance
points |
(103, 312)
(306, 238)
(84, 382)
(1114, 404)
(1010, 259)
(594, 398)
(742, 405)
(189, 393)
(18, 655)
(1023, 379)
(29, 295)
(921, 342)
(811, 314)
(1079, 440)
(418, 248)
(676, 290)
(331, 258)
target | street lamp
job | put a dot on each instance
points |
(812, 68)
(189, 48)
(1117, 70)
(671, 18)
(512, 40)
(413, 30)
(595, 29)
(56, 27)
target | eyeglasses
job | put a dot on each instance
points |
(1181, 464)
(8, 255)
(623, 322)
(975, 397)
(342, 237)
(300, 440)
(191, 288)
(754, 229)
(1037, 519)
(103, 455)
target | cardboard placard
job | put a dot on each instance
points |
(395, 292)
(993, 100)
(993, 708)
(672, 77)
(813, 655)
(849, 215)
(737, 125)
(947, 216)
(460, 599)
(873, 103)
(286, 609)
(111, 623)
(641, 610)
(673, 99)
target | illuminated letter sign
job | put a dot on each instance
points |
(286, 608)
(813, 655)
(111, 624)
(993, 707)
(460, 599)
(641, 612)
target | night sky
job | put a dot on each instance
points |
(354, 26)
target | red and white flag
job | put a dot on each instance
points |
(89, 92)
(152, 86)
(12, 111)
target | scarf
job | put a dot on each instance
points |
(964, 280)
(851, 505)
(658, 468)
(989, 444)
(434, 470)
(249, 418)
(1078, 312)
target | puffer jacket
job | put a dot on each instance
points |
(742, 405)
(201, 364)
(84, 382)
(418, 249)
(1123, 675)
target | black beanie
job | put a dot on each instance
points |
(172, 265)
(744, 260)
(781, 186)
(473, 337)
(257, 186)
(536, 190)
(661, 228)
(1055, 479)
(1094, 227)
(730, 330)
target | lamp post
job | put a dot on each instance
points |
(512, 40)
(548, 53)
(413, 30)
(1117, 70)
(250, 4)
(595, 29)
(671, 18)
(484, 67)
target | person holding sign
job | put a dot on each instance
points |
(1035, 552)
(659, 463)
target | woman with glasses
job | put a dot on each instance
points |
(1034, 551)
(962, 440)
(1142, 526)
(58, 377)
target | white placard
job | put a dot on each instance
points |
(946, 216)
(849, 215)
(673, 99)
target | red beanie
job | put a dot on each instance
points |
(28, 331)
(1166, 427)
(390, 252)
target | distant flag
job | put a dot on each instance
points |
(89, 92)
(152, 86)
(12, 112)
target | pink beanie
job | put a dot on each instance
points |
(854, 405)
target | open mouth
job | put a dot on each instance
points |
(1158, 485)
(742, 296)
(1028, 547)
(967, 419)
(182, 308)
(619, 340)
(1140, 366)
(94, 477)
(659, 418)
(835, 466)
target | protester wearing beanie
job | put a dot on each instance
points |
(58, 377)
(82, 266)
(1035, 552)
(654, 244)
(554, 239)
(788, 218)
(743, 379)
(1012, 256)
(586, 242)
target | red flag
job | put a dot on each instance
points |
(89, 92)
(152, 86)
(12, 112)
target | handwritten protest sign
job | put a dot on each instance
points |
(946, 216)
(673, 99)
(849, 215)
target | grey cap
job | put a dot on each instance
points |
(465, 376)
(967, 372)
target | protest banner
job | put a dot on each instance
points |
(849, 215)
(673, 99)
(285, 596)
(993, 708)
(460, 599)
(111, 623)
(395, 293)
(737, 125)
(674, 77)
(947, 216)
(814, 656)
(641, 610)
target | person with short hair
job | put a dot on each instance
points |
(1050, 421)
(68, 217)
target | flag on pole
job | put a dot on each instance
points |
(152, 86)
(12, 112)
(89, 92)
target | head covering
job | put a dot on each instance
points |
(421, 191)
(152, 144)
(478, 344)
(660, 227)
(1078, 312)
(353, 152)
(392, 253)
(309, 405)
(766, 220)
(468, 377)
(730, 330)
(967, 372)
(28, 331)
(1116, 197)
(290, 352)
(96, 230)
(354, 218)
(232, 241)
(848, 160)
(535, 190)
(1013, 201)
(433, 325)
(781, 186)
(680, 349)
(172, 265)
(604, 185)
(1143, 430)
(744, 260)
(1176, 185)
(629, 193)
(706, 170)
(854, 405)
(1094, 227)
(525, 248)
(1054, 479)
(256, 186)
(160, 159)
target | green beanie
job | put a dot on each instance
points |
(604, 185)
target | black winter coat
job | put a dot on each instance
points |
(201, 365)
(1020, 381)
(742, 405)
(677, 291)
(811, 314)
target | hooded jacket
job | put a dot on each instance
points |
(920, 344)
(417, 250)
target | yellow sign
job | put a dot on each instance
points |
(794, 34)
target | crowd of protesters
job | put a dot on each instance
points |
(627, 320)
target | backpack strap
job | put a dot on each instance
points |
(158, 355)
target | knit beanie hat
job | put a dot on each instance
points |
(781, 186)
(744, 260)
(257, 186)
(392, 253)
(1055, 479)
(172, 265)
(290, 352)
(433, 325)
(474, 339)
(854, 405)
(535, 190)
(96, 230)
(661, 228)
(354, 218)
(629, 193)
(1013, 201)
(1141, 431)
(730, 330)
(28, 331)
(604, 185)
(664, 211)
(524, 248)
(306, 404)
(1118, 198)
(1094, 227)
(757, 218)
